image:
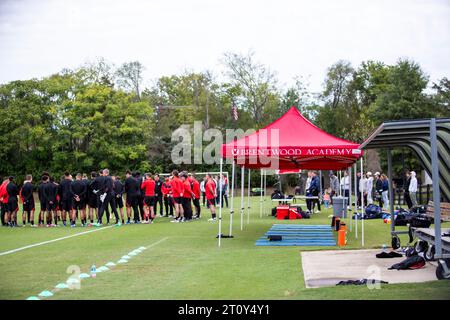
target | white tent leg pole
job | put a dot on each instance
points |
(356, 199)
(242, 196)
(362, 208)
(265, 190)
(220, 202)
(350, 196)
(232, 198)
(261, 195)
(248, 197)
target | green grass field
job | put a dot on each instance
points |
(186, 262)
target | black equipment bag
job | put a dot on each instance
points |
(414, 262)
(274, 212)
(275, 238)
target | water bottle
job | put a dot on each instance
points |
(93, 271)
(384, 247)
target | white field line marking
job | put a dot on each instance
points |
(157, 242)
(54, 240)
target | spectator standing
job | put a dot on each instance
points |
(413, 189)
(406, 195)
(385, 190)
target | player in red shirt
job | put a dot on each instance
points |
(188, 194)
(210, 191)
(148, 186)
(4, 201)
(177, 194)
(166, 190)
(196, 200)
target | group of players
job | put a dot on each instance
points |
(89, 199)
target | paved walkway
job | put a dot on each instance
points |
(327, 268)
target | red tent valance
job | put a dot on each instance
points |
(292, 142)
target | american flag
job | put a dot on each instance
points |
(234, 112)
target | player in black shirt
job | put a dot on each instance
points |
(66, 199)
(13, 206)
(132, 190)
(50, 193)
(92, 197)
(140, 194)
(118, 190)
(158, 196)
(28, 201)
(78, 190)
(107, 196)
(43, 208)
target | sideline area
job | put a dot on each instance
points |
(327, 268)
(188, 260)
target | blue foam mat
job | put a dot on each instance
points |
(299, 235)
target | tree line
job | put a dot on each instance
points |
(100, 115)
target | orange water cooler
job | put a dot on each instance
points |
(342, 235)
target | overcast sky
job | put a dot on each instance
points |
(40, 37)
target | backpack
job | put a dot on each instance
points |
(414, 262)
(420, 222)
(274, 212)
(373, 209)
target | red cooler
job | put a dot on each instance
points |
(282, 212)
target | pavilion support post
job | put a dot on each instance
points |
(391, 190)
(362, 207)
(220, 203)
(436, 188)
(232, 197)
(261, 195)
(248, 197)
(242, 196)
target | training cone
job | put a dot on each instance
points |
(45, 294)
(61, 286)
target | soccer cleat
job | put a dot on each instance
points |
(128, 222)
(118, 224)
(212, 219)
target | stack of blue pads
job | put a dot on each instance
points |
(299, 235)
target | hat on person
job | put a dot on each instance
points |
(369, 173)
(377, 173)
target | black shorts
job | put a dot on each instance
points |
(66, 205)
(79, 205)
(92, 201)
(28, 206)
(132, 200)
(12, 206)
(211, 202)
(119, 202)
(50, 206)
(149, 201)
(178, 200)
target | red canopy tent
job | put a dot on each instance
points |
(289, 143)
(295, 143)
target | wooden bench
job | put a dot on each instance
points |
(445, 210)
